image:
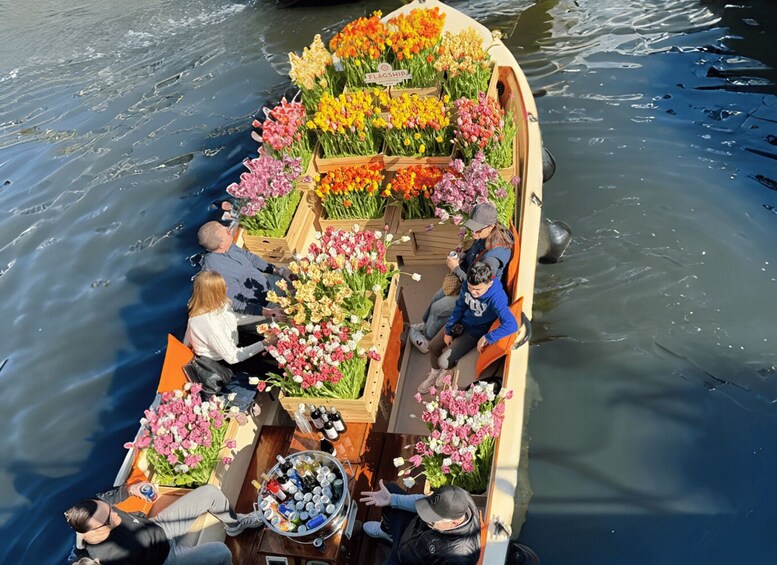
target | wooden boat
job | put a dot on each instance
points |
(371, 446)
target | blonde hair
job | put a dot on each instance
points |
(209, 293)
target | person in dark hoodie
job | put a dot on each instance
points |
(440, 529)
(481, 301)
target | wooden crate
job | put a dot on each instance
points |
(426, 92)
(378, 224)
(363, 409)
(216, 475)
(384, 309)
(396, 162)
(281, 249)
(325, 164)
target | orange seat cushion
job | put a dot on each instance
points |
(496, 351)
(511, 278)
(177, 356)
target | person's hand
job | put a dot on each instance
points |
(286, 274)
(482, 343)
(134, 489)
(447, 340)
(275, 314)
(452, 262)
(380, 497)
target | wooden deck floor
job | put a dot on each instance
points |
(416, 365)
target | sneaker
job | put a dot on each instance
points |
(246, 522)
(439, 380)
(374, 530)
(429, 382)
(418, 339)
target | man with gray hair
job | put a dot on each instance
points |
(249, 277)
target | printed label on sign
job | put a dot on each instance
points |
(387, 76)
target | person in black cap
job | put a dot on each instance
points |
(440, 529)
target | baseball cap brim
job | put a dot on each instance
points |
(475, 226)
(425, 511)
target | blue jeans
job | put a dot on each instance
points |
(438, 312)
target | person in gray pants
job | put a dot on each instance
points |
(112, 536)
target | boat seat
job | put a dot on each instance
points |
(496, 351)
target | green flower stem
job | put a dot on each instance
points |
(274, 219)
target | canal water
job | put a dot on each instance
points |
(121, 123)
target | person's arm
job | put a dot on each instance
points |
(255, 260)
(76, 553)
(216, 334)
(405, 501)
(507, 322)
(498, 258)
(115, 495)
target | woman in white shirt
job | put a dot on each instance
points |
(212, 328)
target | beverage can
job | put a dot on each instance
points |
(149, 492)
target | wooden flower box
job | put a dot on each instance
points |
(219, 473)
(382, 313)
(425, 92)
(325, 164)
(377, 224)
(396, 162)
(363, 409)
(281, 249)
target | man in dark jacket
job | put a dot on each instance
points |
(440, 529)
(107, 534)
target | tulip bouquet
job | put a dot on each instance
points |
(353, 192)
(360, 46)
(266, 194)
(319, 293)
(318, 360)
(360, 255)
(284, 132)
(340, 278)
(412, 187)
(414, 38)
(350, 123)
(482, 125)
(418, 126)
(463, 427)
(464, 186)
(466, 63)
(313, 73)
(183, 436)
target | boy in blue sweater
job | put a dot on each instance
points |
(481, 301)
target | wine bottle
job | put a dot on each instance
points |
(337, 420)
(315, 416)
(274, 487)
(330, 431)
(284, 465)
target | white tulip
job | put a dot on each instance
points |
(416, 276)
(409, 482)
(399, 461)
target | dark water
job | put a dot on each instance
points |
(121, 123)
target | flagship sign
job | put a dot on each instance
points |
(387, 76)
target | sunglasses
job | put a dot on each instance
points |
(108, 519)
